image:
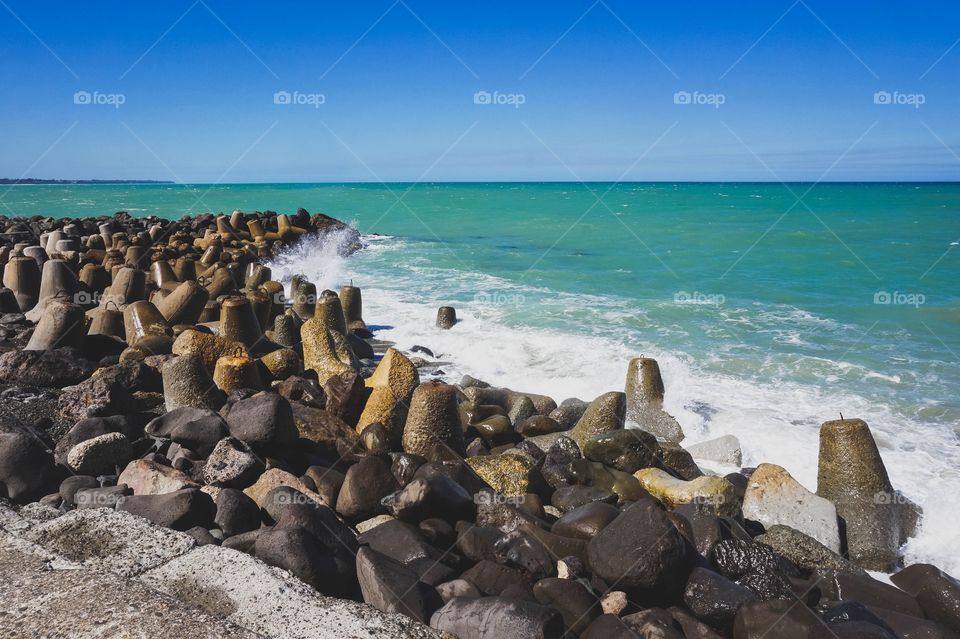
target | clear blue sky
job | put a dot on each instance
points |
(398, 80)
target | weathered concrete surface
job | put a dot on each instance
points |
(101, 573)
(43, 595)
(110, 540)
(271, 602)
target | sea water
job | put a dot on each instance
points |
(771, 308)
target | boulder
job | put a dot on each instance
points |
(714, 493)
(208, 347)
(937, 592)
(585, 521)
(326, 352)
(51, 368)
(714, 599)
(180, 510)
(232, 464)
(640, 550)
(100, 455)
(510, 475)
(435, 496)
(774, 497)
(578, 606)
(805, 551)
(497, 618)
(264, 421)
(722, 450)
(627, 450)
(274, 478)
(26, 468)
(145, 477)
(366, 483)
(236, 512)
(389, 586)
(604, 414)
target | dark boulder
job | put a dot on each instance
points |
(180, 510)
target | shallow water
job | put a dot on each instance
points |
(768, 316)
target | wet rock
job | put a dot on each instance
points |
(714, 599)
(640, 549)
(569, 412)
(584, 522)
(236, 512)
(26, 468)
(626, 450)
(516, 548)
(846, 586)
(180, 510)
(100, 455)
(492, 578)
(570, 497)
(477, 543)
(604, 414)
(781, 619)
(538, 425)
(511, 475)
(805, 551)
(712, 492)
(389, 586)
(626, 486)
(556, 466)
(774, 497)
(679, 461)
(652, 622)
(852, 475)
(446, 317)
(578, 606)
(146, 477)
(366, 483)
(937, 592)
(232, 464)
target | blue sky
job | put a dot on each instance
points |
(385, 90)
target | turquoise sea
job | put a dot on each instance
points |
(771, 307)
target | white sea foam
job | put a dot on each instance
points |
(776, 421)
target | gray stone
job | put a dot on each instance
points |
(101, 455)
(774, 497)
(723, 450)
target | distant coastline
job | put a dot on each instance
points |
(38, 181)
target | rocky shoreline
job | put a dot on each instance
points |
(153, 369)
